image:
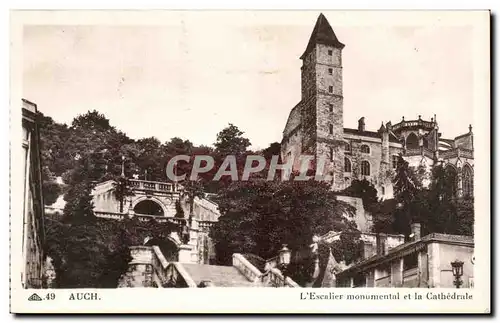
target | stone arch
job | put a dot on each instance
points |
(412, 141)
(151, 199)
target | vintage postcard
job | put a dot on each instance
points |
(341, 155)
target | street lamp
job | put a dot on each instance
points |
(284, 261)
(457, 267)
(123, 166)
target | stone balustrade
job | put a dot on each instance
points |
(110, 215)
(246, 268)
(152, 186)
(276, 279)
(457, 152)
(205, 225)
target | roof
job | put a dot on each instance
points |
(463, 135)
(371, 134)
(322, 34)
(219, 276)
(407, 248)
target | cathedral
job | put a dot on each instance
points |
(315, 127)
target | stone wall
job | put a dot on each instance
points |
(140, 270)
(449, 253)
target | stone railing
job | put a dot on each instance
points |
(419, 151)
(205, 225)
(152, 186)
(271, 263)
(457, 152)
(146, 218)
(110, 215)
(246, 268)
(276, 279)
(413, 124)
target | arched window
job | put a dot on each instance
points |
(412, 141)
(467, 181)
(347, 147)
(365, 149)
(330, 128)
(347, 165)
(365, 168)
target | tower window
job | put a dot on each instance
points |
(330, 89)
(330, 107)
(365, 149)
(365, 168)
(347, 165)
(332, 154)
(330, 126)
(330, 52)
(347, 147)
(330, 71)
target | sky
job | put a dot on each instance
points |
(190, 74)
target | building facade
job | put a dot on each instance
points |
(424, 263)
(33, 210)
(315, 127)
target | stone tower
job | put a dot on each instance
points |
(322, 100)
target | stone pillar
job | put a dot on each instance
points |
(433, 263)
(187, 254)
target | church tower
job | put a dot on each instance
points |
(322, 100)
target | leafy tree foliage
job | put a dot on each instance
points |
(259, 216)
(230, 141)
(364, 190)
(95, 254)
(437, 208)
(122, 189)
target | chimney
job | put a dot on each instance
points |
(416, 231)
(361, 124)
(368, 249)
(381, 244)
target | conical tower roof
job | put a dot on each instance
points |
(322, 34)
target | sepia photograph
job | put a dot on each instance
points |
(275, 149)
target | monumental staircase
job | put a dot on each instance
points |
(149, 268)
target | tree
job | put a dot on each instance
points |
(122, 189)
(50, 188)
(258, 216)
(364, 190)
(230, 141)
(274, 149)
(79, 204)
(406, 188)
(93, 121)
